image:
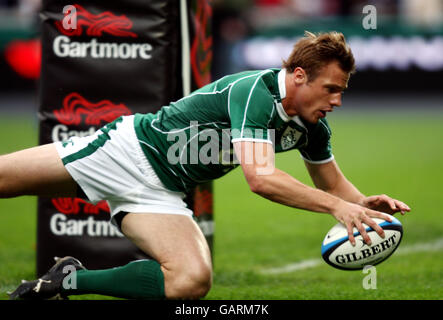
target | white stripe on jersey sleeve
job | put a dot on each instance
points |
(249, 98)
(318, 162)
(251, 140)
(231, 85)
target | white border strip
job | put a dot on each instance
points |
(186, 51)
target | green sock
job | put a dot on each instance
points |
(141, 279)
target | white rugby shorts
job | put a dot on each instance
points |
(110, 165)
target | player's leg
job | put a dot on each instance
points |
(182, 267)
(182, 264)
(179, 246)
(35, 171)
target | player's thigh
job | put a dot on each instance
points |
(166, 237)
(175, 241)
(35, 171)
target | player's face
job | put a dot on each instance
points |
(312, 100)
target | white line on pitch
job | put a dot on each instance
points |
(436, 245)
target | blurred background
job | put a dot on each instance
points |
(20, 52)
(404, 51)
(401, 57)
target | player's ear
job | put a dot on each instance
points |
(299, 76)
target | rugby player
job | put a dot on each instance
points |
(138, 166)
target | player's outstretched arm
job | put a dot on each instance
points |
(328, 177)
(257, 162)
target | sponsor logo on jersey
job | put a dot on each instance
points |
(289, 138)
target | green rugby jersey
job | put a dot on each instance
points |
(190, 141)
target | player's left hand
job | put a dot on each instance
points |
(385, 204)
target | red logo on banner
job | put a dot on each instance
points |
(75, 108)
(201, 54)
(74, 206)
(98, 24)
(202, 202)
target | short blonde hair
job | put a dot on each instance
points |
(314, 51)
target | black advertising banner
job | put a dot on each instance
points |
(101, 60)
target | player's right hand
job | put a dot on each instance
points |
(353, 215)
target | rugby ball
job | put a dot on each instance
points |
(338, 251)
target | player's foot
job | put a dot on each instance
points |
(49, 286)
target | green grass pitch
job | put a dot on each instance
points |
(400, 155)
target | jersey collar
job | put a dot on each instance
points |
(282, 91)
(282, 83)
(298, 121)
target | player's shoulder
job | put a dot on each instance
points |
(258, 84)
(247, 79)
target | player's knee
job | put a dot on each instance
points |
(194, 282)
